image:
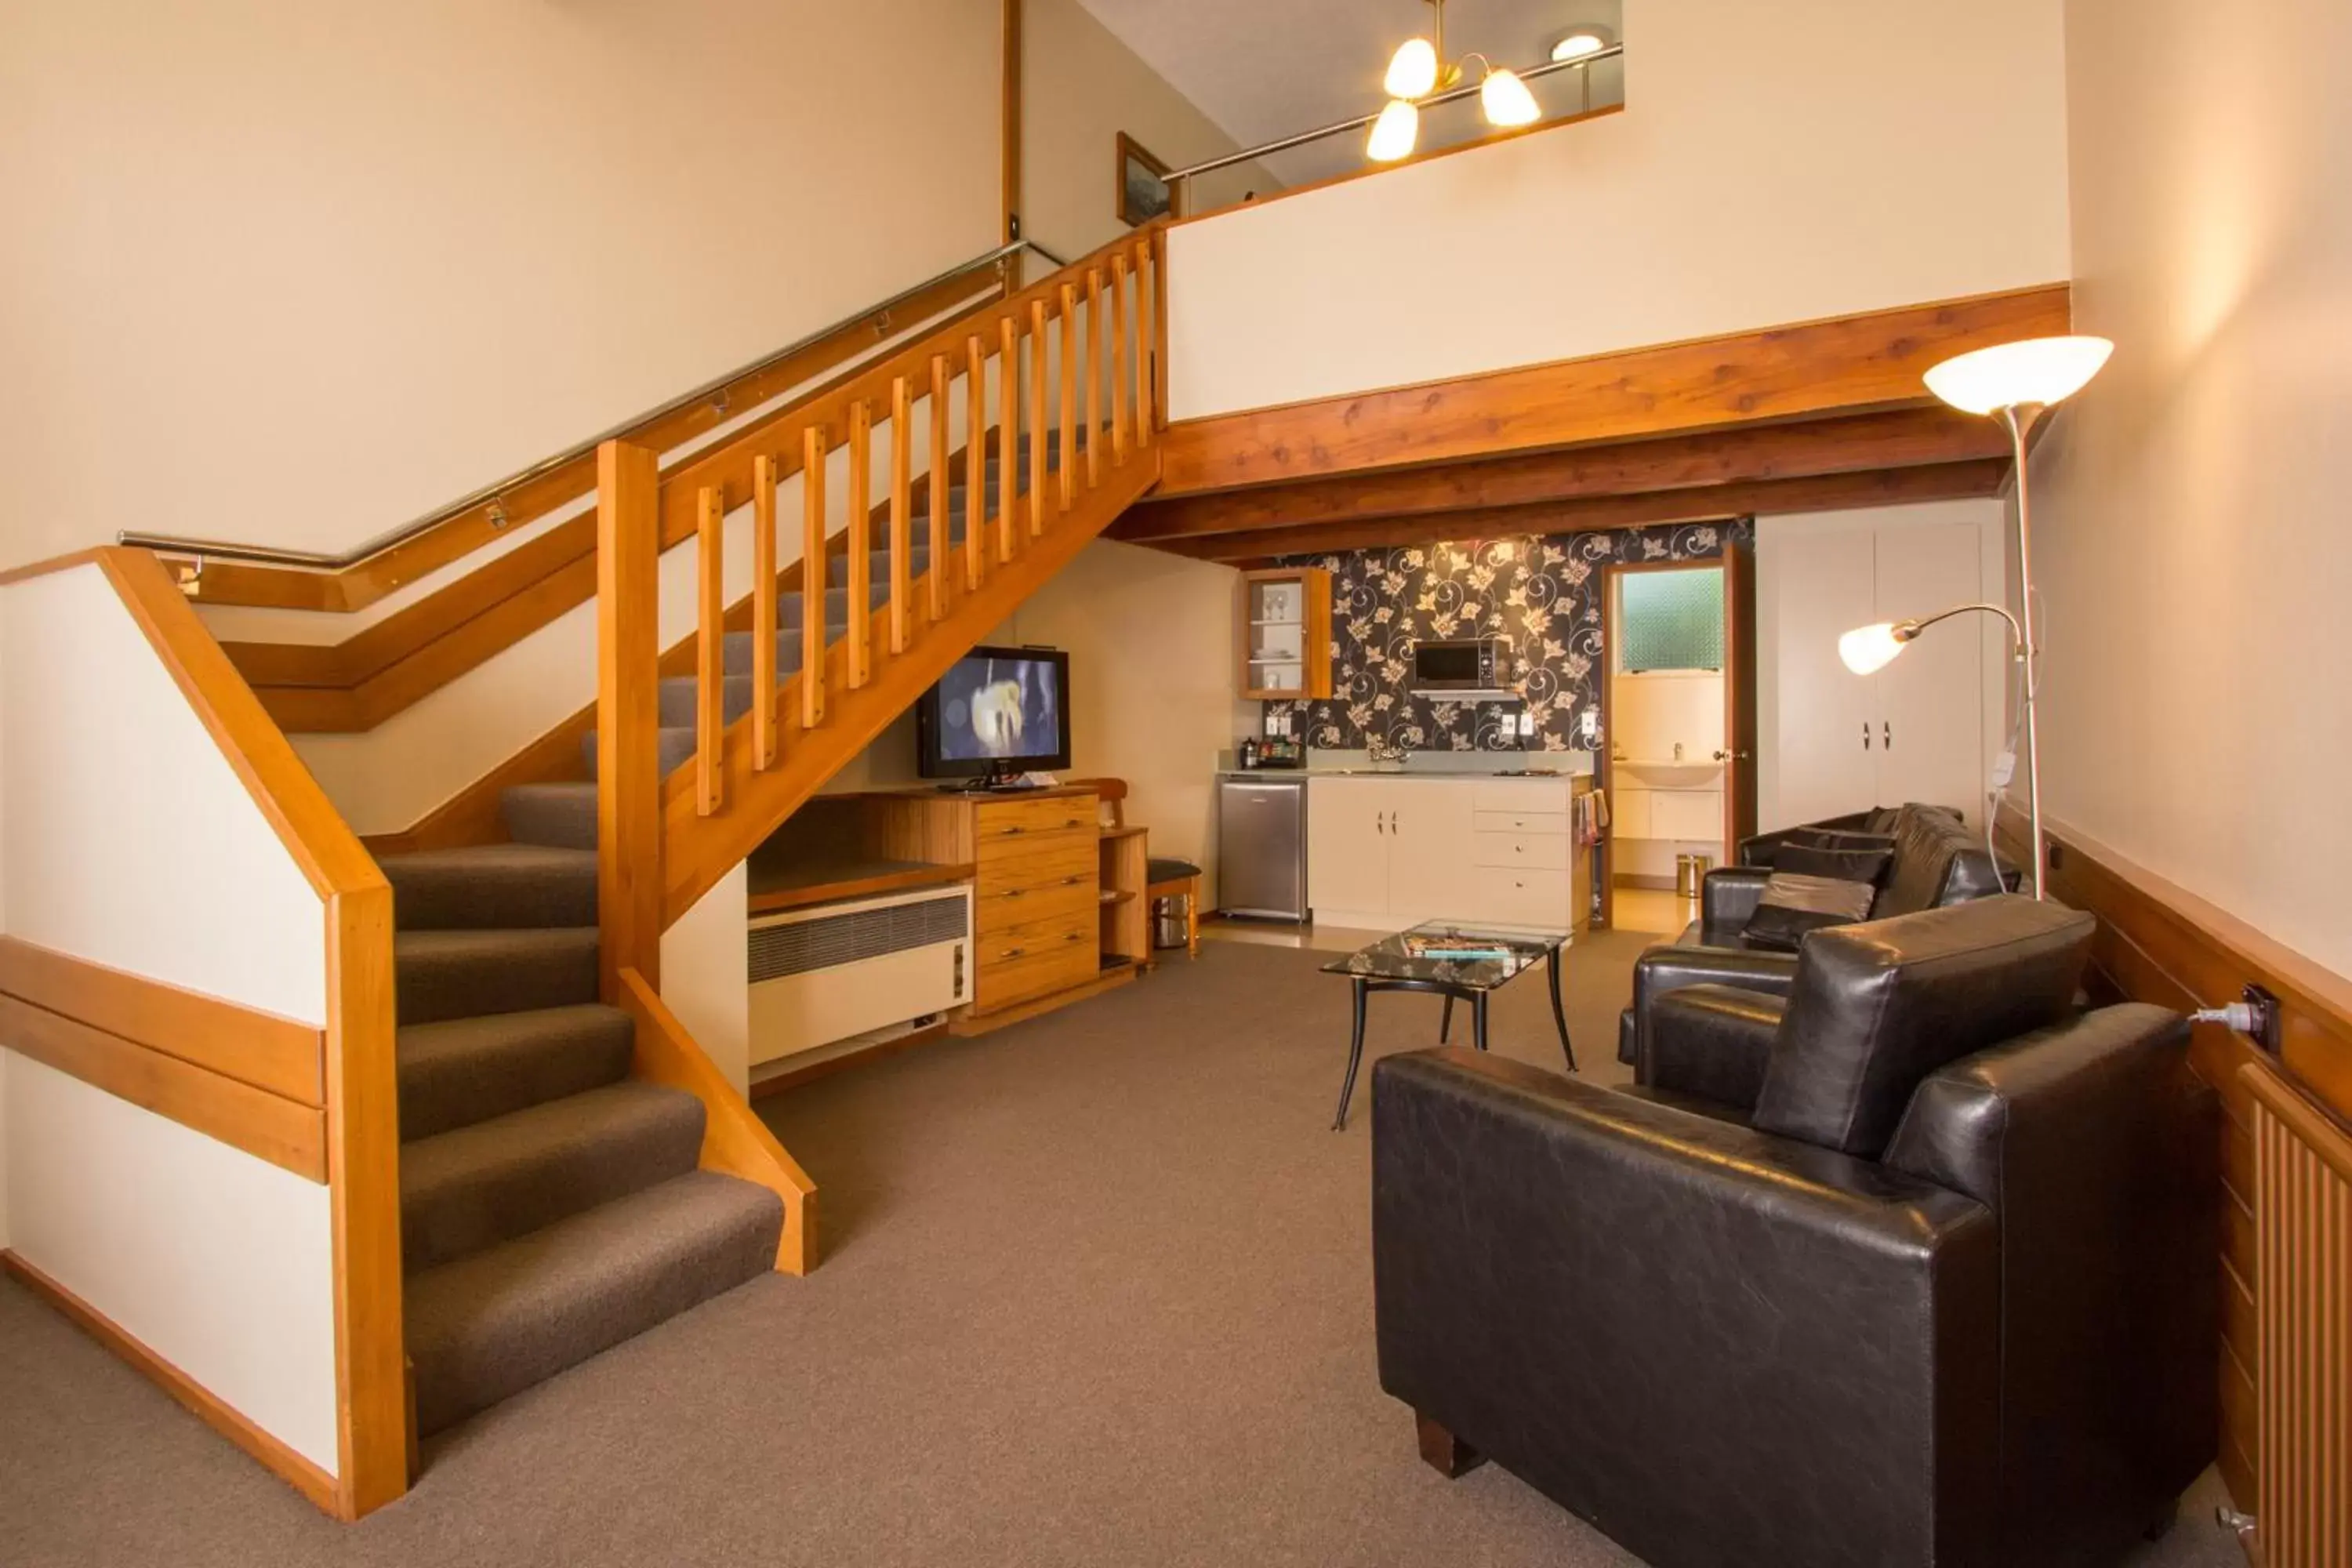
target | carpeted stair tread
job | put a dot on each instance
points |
(462, 1072)
(474, 1187)
(489, 1326)
(496, 885)
(677, 694)
(674, 744)
(559, 814)
(439, 974)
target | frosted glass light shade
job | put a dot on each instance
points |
(1869, 650)
(1576, 46)
(1394, 133)
(2039, 369)
(1507, 100)
(1412, 70)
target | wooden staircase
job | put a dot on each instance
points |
(1055, 386)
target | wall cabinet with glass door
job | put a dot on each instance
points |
(1285, 641)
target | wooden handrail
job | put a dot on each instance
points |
(357, 1087)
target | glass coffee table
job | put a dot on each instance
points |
(1456, 961)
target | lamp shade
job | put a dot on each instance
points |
(1412, 70)
(1507, 100)
(1394, 133)
(1869, 650)
(1576, 46)
(2037, 370)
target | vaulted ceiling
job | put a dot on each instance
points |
(1267, 69)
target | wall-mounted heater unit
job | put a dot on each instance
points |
(820, 975)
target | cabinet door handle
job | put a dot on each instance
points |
(1379, 822)
(1886, 729)
(1865, 734)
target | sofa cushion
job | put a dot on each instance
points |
(1865, 860)
(1879, 1006)
(1795, 903)
(1937, 862)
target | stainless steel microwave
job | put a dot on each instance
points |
(1462, 664)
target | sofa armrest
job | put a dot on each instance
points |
(1674, 967)
(1730, 895)
(1675, 1325)
(1712, 1041)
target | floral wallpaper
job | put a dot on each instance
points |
(1543, 592)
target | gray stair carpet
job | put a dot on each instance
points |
(550, 1205)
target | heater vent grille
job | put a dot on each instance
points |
(803, 947)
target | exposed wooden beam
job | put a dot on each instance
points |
(1903, 438)
(1853, 365)
(1829, 492)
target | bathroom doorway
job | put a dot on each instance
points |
(1677, 749)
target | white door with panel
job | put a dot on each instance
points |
(1836, 742)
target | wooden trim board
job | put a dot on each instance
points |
(1853, 365)
(2159, 942)
(291, 1467)
(253, 1047)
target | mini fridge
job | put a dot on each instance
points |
(1261, 845)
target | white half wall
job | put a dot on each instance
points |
(1775, 163)
(706, 975)
(218, 1262)
(129, 840)
(2189, 545)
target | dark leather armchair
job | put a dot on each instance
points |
(1916, 1265)
(1937, 862)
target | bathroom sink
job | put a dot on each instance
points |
(1666, 774)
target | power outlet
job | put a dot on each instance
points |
(2265, 1032)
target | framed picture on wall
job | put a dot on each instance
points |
(1143, 190)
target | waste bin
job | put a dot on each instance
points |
(1690, 873)
(1169, 927)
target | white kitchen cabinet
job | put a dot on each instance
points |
(1688, 814)
(1835, 742)
(1391, 851)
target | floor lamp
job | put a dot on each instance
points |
(2016, 383)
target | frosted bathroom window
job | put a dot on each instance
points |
(1670, 620)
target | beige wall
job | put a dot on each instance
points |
(2189, 541)
(297, 273)
(1776, 164)
(1081, 87)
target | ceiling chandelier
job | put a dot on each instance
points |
(1419, 69)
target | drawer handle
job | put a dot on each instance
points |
(1072, 881)
(1015, 893)
(1013, 952)
(1074, 936)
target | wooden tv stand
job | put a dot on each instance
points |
(1038, 891)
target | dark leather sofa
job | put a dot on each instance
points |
(1937, 862)
(1916, 1265)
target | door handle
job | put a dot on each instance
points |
(1886, 729)
(1865, 734)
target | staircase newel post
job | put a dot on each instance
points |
(628, 715)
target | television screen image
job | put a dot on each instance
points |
(997, 710)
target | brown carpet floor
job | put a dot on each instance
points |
(1096, 1291)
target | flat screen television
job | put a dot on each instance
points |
(999, 711)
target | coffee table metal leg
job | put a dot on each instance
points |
(1445, 1022)
(1559, 1014)
(1355, 1055)
(1479, 1017)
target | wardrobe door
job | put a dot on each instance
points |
(1824, 737)
(1931, 700)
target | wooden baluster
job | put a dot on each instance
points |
(1039, 449)
(764, 612)
(1094, 376)
(1158, 331)
(1069, 395)
(814, 444)
(710, 651)
(1146, 328)
(861, 544)
(1008, 435)
(629, 714)
(1119, 374)
(902, 536)
(975, 463)
(942, 552)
